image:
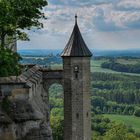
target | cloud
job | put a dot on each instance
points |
(113, 18)
(129, 5)
(79, 2)
(97, 19)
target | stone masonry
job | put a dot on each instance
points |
(28, 117)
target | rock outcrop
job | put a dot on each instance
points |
(24, 113)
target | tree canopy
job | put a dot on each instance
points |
(16, 15)
(9, 63)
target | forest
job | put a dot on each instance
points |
(114, 65)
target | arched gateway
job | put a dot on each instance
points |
(75, 78)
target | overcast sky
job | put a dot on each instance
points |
(104, 24)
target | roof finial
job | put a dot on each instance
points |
(76, 18)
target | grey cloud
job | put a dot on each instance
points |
(133, 24)
(96, 16)
(103, 25)
(127, 5)
(80, 2)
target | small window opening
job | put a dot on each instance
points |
(87, 114)
(76, 71)
(76, 75)
(77, 115)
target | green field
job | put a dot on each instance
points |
(56, 66)
(96, 66)
(128, 62)
(127, 120)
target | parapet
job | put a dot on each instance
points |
(28, 79)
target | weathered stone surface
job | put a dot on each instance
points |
(27, 118)
(77, 115)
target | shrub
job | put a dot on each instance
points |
(9, 63)
(137, 112)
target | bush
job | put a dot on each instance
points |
(9, 63)
(137, 112)
(57, 125)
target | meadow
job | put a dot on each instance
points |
(96, 66)
(131, 121)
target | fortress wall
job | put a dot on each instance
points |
(28, 119)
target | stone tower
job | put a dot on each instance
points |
(76, 68)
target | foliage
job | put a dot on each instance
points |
(137, 112)
(119, 88)
(57, 127)
(130, 121)
(121, 67)
(9, 63)
(104, 129)
(101, 106)
(100, 124)
(119, 132)
(56, 108)
(16, 15)
(98, 101)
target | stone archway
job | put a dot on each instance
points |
(51, 77)
(56, 100)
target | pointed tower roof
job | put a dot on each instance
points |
(76, 47)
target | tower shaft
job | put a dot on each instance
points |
(77, 115)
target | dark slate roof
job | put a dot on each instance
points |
(76, 47)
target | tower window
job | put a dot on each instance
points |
(0, 93)
(77, 115)
(76, 71)
(76, 75)
(87, 114)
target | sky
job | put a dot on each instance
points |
(104, 25)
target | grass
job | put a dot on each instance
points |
(96, 67)
(129, 61)
(132, 121)
(56, 66)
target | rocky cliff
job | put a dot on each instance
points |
(23, 107)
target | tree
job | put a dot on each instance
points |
(57, 123)
(17, 15)
(9, 63)
(137, 112)
(98, 102)
(119, 132)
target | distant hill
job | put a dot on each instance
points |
(38, 52)
(133, 53)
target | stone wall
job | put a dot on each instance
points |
(27, 115)
(77, 115)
